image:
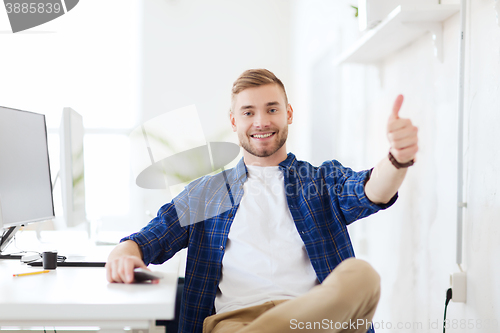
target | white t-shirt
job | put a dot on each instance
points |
(265, 258)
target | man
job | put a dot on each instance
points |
(280, 258)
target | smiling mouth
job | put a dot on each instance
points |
(263, 135)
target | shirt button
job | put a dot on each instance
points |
(221, 247)
(230, 215)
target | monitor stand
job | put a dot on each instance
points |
(5, 239)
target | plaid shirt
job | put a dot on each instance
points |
(322, 200)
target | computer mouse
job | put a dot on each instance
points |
(141, 274)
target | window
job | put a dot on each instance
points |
(89, 61)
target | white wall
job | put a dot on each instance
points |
(412, 245)
(193, 51)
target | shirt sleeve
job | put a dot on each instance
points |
(347, 192)
(162, 237)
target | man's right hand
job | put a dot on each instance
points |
(122, 261)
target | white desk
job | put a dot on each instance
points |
(70, 296)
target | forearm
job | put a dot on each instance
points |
(384, 182)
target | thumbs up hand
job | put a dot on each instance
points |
(389, 173)
(402, 135)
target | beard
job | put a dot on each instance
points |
(269, 149)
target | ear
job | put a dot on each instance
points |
(232, 119)
(289, 114)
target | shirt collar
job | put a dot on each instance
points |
(289, 162)
(241, 169)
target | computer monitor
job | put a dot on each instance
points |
(25, 181)
(72, 168)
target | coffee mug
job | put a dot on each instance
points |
(49, 260)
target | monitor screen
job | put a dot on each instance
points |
(25, 181)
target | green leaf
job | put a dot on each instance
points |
(356, 14)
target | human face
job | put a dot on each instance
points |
(261, 117)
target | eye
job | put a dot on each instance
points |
(247, 113)
(273, 110)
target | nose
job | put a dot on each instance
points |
(261, 120)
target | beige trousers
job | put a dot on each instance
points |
(344, 302)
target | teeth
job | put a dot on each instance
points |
(262, 136)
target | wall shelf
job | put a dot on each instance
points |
(401, 27)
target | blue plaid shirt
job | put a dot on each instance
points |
(322, 200)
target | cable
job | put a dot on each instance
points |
(55, 181)
(449, 295)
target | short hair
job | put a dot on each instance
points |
(255, 78)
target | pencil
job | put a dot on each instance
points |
(32, 273)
